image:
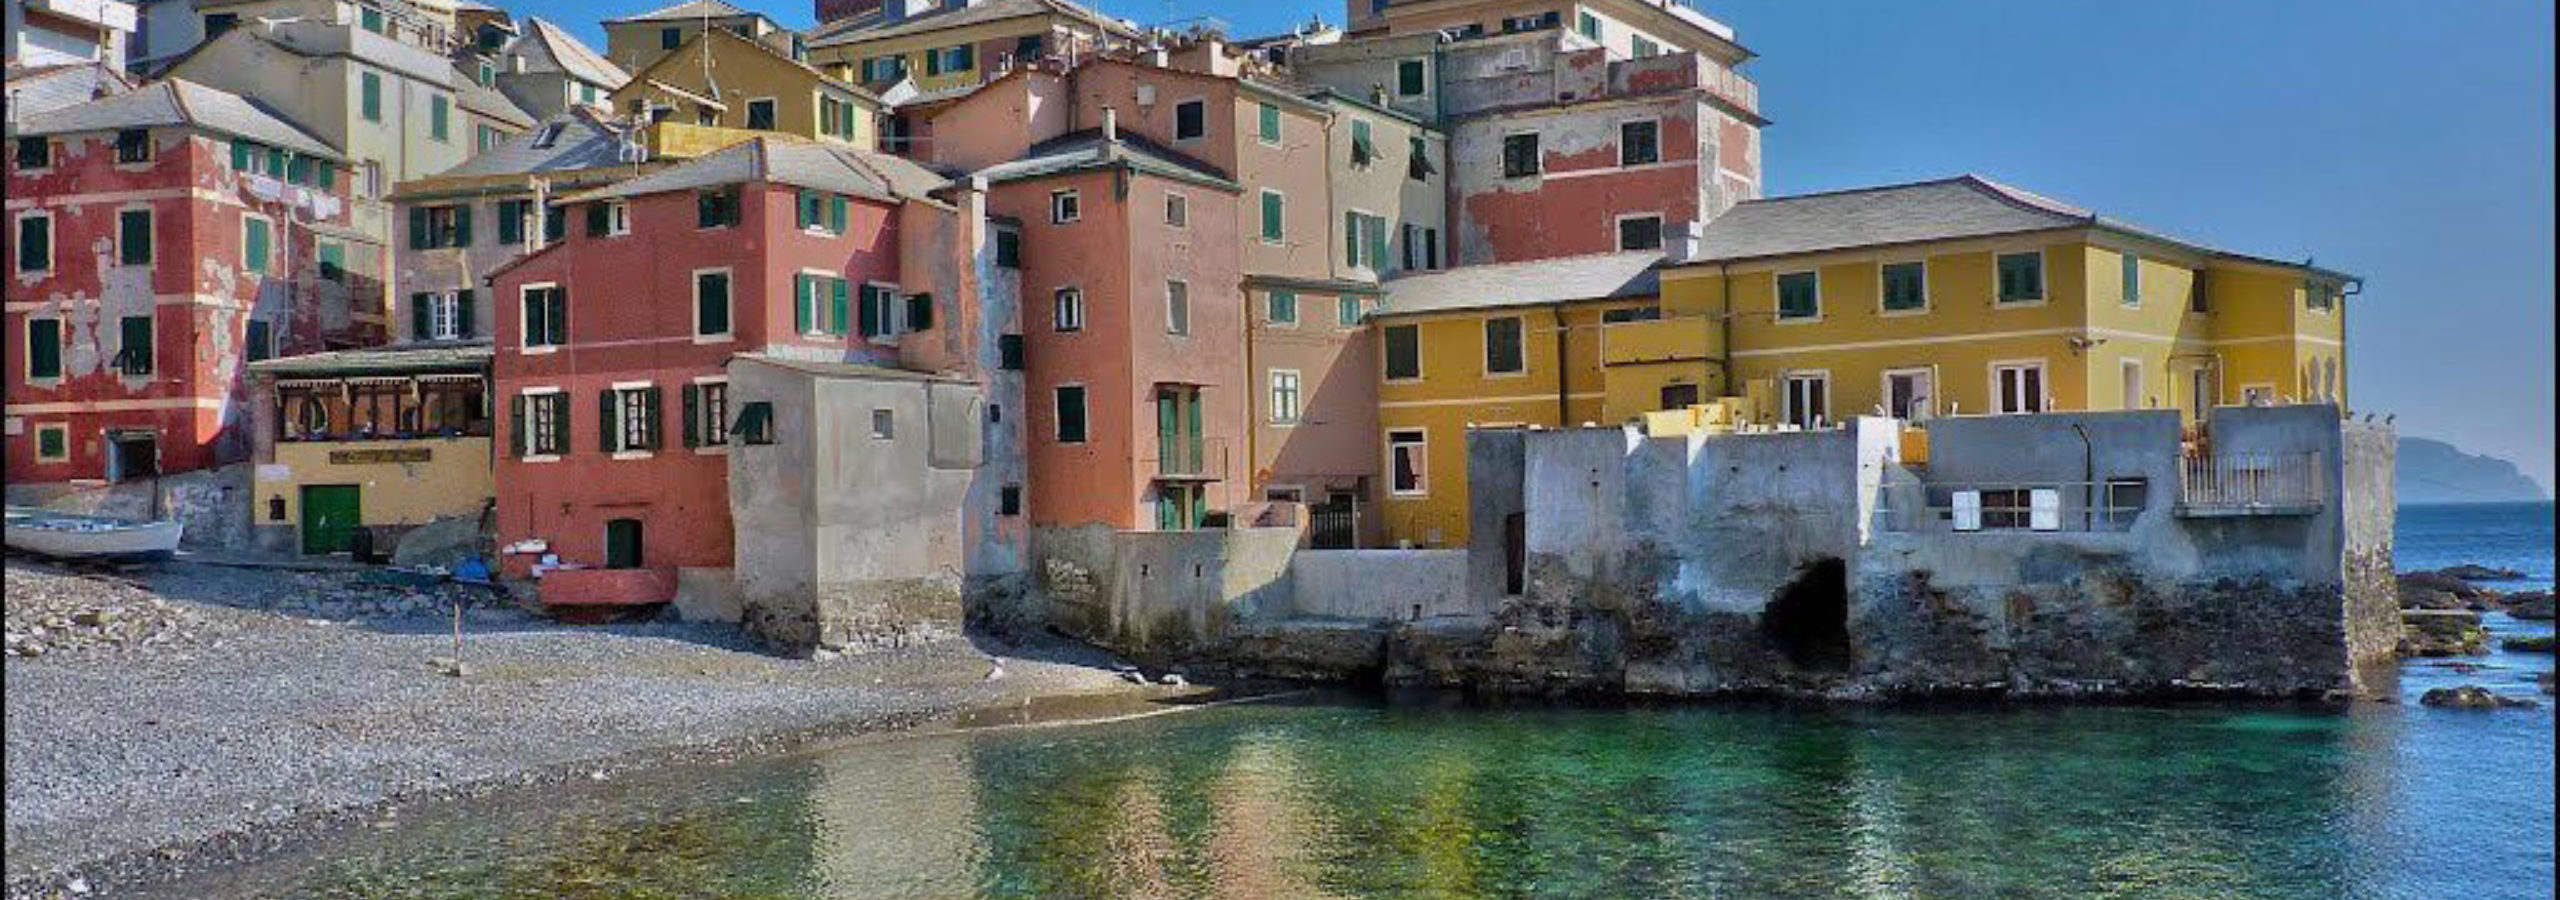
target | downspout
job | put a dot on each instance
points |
(2088, 480)
(1564, 376)
(1724, 318)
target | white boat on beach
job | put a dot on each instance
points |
(74, 536)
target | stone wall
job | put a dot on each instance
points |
(212, 503)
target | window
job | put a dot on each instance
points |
(1676, 396)
(617, 218)
(1406, 462)
(822, 304)
(1364, 149)
(53, 442)
(1284, 396)
(257, 243)
(1364, 240)
(2131, 375)
(2197, 294)
(1346, 312)
(822, 211)
(1281, 308)
(441, 316)
(629, 419)
(1029, 47)
(35, 242)
(1067, 312)
(262, 340)
(371, 102)
(1502, 352)
(133, 145)
(1065, 207)
(1267, 122)
(1808, 399)
(760, 114)
(2319, 296)
(1009, 500)
(1410, 78)
(1907, 393)
(706, 414)
(217, 23)
(2021, 277)
(439, 116)
(878, 312)
(44, 349)
(511, 216)
(1640, 233)
(133, 347)
(1587, 25)
(488, 74)
(754, 424)
(1404, 352)
(1643, 47)
(1906, 286)
(35, 154)
(884, 68)
(2017, 387)
(1190, 120)
(546, 316)
(540, 424)
(133, 237)
(371, 19)
(1519, 155)
(1008, 248)
(1009, 352)
(435, 227)
(1417, 161)
(1799, 296)
(1275, 214)
(716, 208)
(1639, 142)
(945, 60)
(1177, 210)
(1177, 307)
(884, 424)
(1071, 425)
(333, 261)
(670, 38)
(711, 303)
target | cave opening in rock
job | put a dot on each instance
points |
(1809, 618)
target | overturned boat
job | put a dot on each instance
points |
(74, 536)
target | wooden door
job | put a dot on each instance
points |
(331, 513)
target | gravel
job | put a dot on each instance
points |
(186, 714)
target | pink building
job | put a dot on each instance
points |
(161, 239)
(612, 343)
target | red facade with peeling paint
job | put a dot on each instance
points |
(631, 320)
(195, 288)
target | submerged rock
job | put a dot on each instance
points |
(2472, 696)
(2477, 572)
(2442, 632)
(2527, 643)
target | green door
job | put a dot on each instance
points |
(622, 544)
(330, 515)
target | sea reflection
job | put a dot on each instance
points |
(1354, 799)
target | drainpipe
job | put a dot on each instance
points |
(1724, 317)
(1564, 376)
(2088, 480)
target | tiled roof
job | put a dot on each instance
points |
(1532, 283)
(472, 97)
(583, 143)
(872, 27)
(179, 102)
(35, 89)
(1083, 150)
(843, 170)
(418, 358)
(574, 56)
(688, 10)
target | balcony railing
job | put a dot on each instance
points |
(1191, 457)
(2251, 484)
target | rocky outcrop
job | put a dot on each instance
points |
(2534, 605)
(2442, 632)
(2472, 696)
(2526, 643)
(2477, 572)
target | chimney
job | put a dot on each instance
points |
(1110, 125)
(1378, 95)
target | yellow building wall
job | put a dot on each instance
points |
(2268, 337)
(845, 60)
(749, 71)
(457, 478)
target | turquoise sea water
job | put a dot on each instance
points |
(1356, 797)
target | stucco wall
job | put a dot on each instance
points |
(1381, 585)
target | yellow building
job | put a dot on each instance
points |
(377, 440)
(637, 42)
(1953, 297)
(956, 45)
(719, 78)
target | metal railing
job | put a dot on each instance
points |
(2248, 482)
(1190, 456)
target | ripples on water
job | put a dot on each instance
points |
(1352, 798)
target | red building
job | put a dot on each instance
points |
(613, 341)
(159, 240)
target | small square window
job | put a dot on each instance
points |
(1009, 500)
(1190, 120)
(1640, 233)
(1177, 210)
(1065, 207)
(884, 424)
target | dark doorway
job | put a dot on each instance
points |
(1679, 396)
(1809, 619)
(1515, 554)
(1336, 524)
(133, 454)
(622, 544)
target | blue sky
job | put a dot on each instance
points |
(2410, 143)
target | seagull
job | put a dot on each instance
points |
(2389, 418)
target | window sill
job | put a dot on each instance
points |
(712, 450)
(1798, 320)
(721, 338)
(2029, 303)
(540, 458)
(1920, 310)
(539, 350)
(1505, 376)
(633, 454)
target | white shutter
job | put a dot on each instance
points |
(1968, 510)
(2044, 509)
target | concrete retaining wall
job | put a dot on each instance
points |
(1381, 585)
(213, 503)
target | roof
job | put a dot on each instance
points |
(1965, 206)
(585, 142)
(574, 56)
(1086, 150)
(419, 358)
(472, 97)
(177, 102)
(687, 11)
(873, 28)
(35, 89)
(1531, 283)
(845, 369)
(321, 39)
(681, 56)
(843, 170)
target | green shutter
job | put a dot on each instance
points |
(608, 420)
(324, 175)
(44, 348)
(133, 238)
(515, 425)
(260, 345)
(254, 247)
(136, 348)
(421, 318)
(919, 312)
(560, 324)
(1270, 123)
(240, 151)
(804, 311)
(298, 169)
(35, 244)
(835, 213)
(692, 394)
(838, 307)
(802, 205)
(439, 111)
(418, 237)
(1351, 239)
(462, 225)
(599, 220)
(559, 422)
(649, 413)
(711, 311)
(510, 222)
(333, 261)
(372, 97)
(277, 162)
(462, 313)
(1274, 209)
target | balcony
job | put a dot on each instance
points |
(2251, 484)
(1191, 458)
(1656, 340)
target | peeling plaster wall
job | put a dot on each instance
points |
(195, 289)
